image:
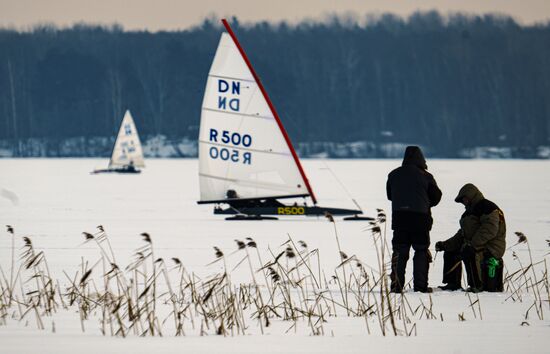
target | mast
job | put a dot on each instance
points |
(272, 108)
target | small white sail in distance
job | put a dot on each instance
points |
(242, 144)
(127, 149)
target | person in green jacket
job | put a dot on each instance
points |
(479, 243)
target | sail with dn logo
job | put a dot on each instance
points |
(246, 158)
(127, 150)
(127, 154)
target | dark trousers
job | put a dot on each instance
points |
(477, 269)
(402, 242)
(452, 268)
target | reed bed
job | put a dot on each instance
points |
(156, 297)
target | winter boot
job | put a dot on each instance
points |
(450, 287)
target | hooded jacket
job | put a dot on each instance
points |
(413, 191)
(482, 225)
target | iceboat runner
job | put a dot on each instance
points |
(127, 154)
(246, 159)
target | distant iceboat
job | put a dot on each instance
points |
(127, 154)
(246, 159)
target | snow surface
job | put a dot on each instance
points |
(58, 199)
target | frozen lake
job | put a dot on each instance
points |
(58, 200)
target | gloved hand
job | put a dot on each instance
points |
(439, 246)
(429, 256)
(468, 252)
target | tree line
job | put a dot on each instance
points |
(445, 82)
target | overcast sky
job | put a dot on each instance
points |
(177, 14)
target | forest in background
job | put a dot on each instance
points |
(448, 83)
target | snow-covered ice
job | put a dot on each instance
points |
(58, 199)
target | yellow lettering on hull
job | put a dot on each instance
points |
(291, 210)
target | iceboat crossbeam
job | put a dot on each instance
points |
(242, 217)
(117, 170)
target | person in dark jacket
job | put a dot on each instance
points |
(479, 244)
(413, 191)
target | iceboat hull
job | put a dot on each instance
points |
(274, 207)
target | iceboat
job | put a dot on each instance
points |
(247, 163)
(127, 156)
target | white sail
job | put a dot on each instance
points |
(127, 150)
(241, 146)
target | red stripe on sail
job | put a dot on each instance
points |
(271, 107)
